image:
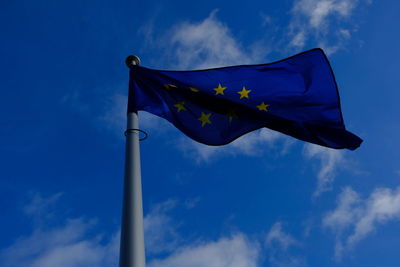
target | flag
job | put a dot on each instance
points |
(297, 96)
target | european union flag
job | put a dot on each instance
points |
(297, 96)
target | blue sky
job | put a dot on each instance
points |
(264, 200)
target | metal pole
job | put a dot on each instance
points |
(132, 232)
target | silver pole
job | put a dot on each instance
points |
(132, 232)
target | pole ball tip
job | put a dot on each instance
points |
(132, 61)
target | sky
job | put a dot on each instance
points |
(264, 200)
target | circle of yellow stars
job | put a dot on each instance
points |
(219, 90)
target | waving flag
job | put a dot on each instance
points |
(297, 96)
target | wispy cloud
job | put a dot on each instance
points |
(63, 246)
(68, 245)
(276, 236)
(160, 229)
(76, 243)
(355, 218)
(201, 44)
(209, 43)
(317, 12)
(329, 23)
(330, 160)
(278, 243)
(167, 248)
(298, 39)
(234, 251)
(39, 208)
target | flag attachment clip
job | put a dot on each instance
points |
(144, 136)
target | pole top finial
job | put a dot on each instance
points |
(132, 61)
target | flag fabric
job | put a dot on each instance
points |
(297, 96)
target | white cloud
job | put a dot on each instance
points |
(278, 237)
(209, 43)
(279, 243)
(328, 22)
(234, 251)
(252, 144)
(355, 218)
(318, 12)
(298, 39)
(65, 246)
(345, 212)
(68, 245)
(382, 206)
(74, 245)
(330, 160)
(78, 254)
(160, 230)
(345, 33)
(162, 239)
(39, 206)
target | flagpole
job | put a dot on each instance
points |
(132, 252)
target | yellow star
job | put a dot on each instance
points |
(204, 118)
(244, 93)
(169, 86)
(194, 89)
(180, 106)
(231, 115)
(219, 90)
(263, 106)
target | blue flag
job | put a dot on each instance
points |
(297, 96)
